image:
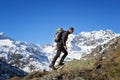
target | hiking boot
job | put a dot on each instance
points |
(61, 63)
(52, 66)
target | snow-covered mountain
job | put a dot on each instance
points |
(26, 56)
(82, 44)
(30, 57)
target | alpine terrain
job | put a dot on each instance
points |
(19, 58)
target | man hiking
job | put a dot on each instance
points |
(61, 47)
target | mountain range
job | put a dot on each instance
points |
(30, 57)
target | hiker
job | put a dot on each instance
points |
(61, 47)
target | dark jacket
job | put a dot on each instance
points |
(65, 37)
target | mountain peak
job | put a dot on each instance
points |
(94, 37)
(98, 33)
(1, 33)
(4, 36)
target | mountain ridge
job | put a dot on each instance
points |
(30, 57)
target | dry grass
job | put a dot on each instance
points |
(15, 78)
(108, 69)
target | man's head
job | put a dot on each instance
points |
(71, 30)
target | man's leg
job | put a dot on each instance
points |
(55, 58)
(63, 57)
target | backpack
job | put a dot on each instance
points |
(58, 35)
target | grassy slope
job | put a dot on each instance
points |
(107, 68)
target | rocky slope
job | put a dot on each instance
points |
(7, 71)
(101, 64)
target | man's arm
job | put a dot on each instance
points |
(64, 39)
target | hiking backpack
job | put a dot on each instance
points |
(58, 35)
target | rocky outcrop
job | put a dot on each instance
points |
(7, 71)
(104, 51)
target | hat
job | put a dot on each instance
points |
(71, 28)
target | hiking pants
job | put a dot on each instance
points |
(60, 49)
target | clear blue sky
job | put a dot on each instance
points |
(37, 20)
